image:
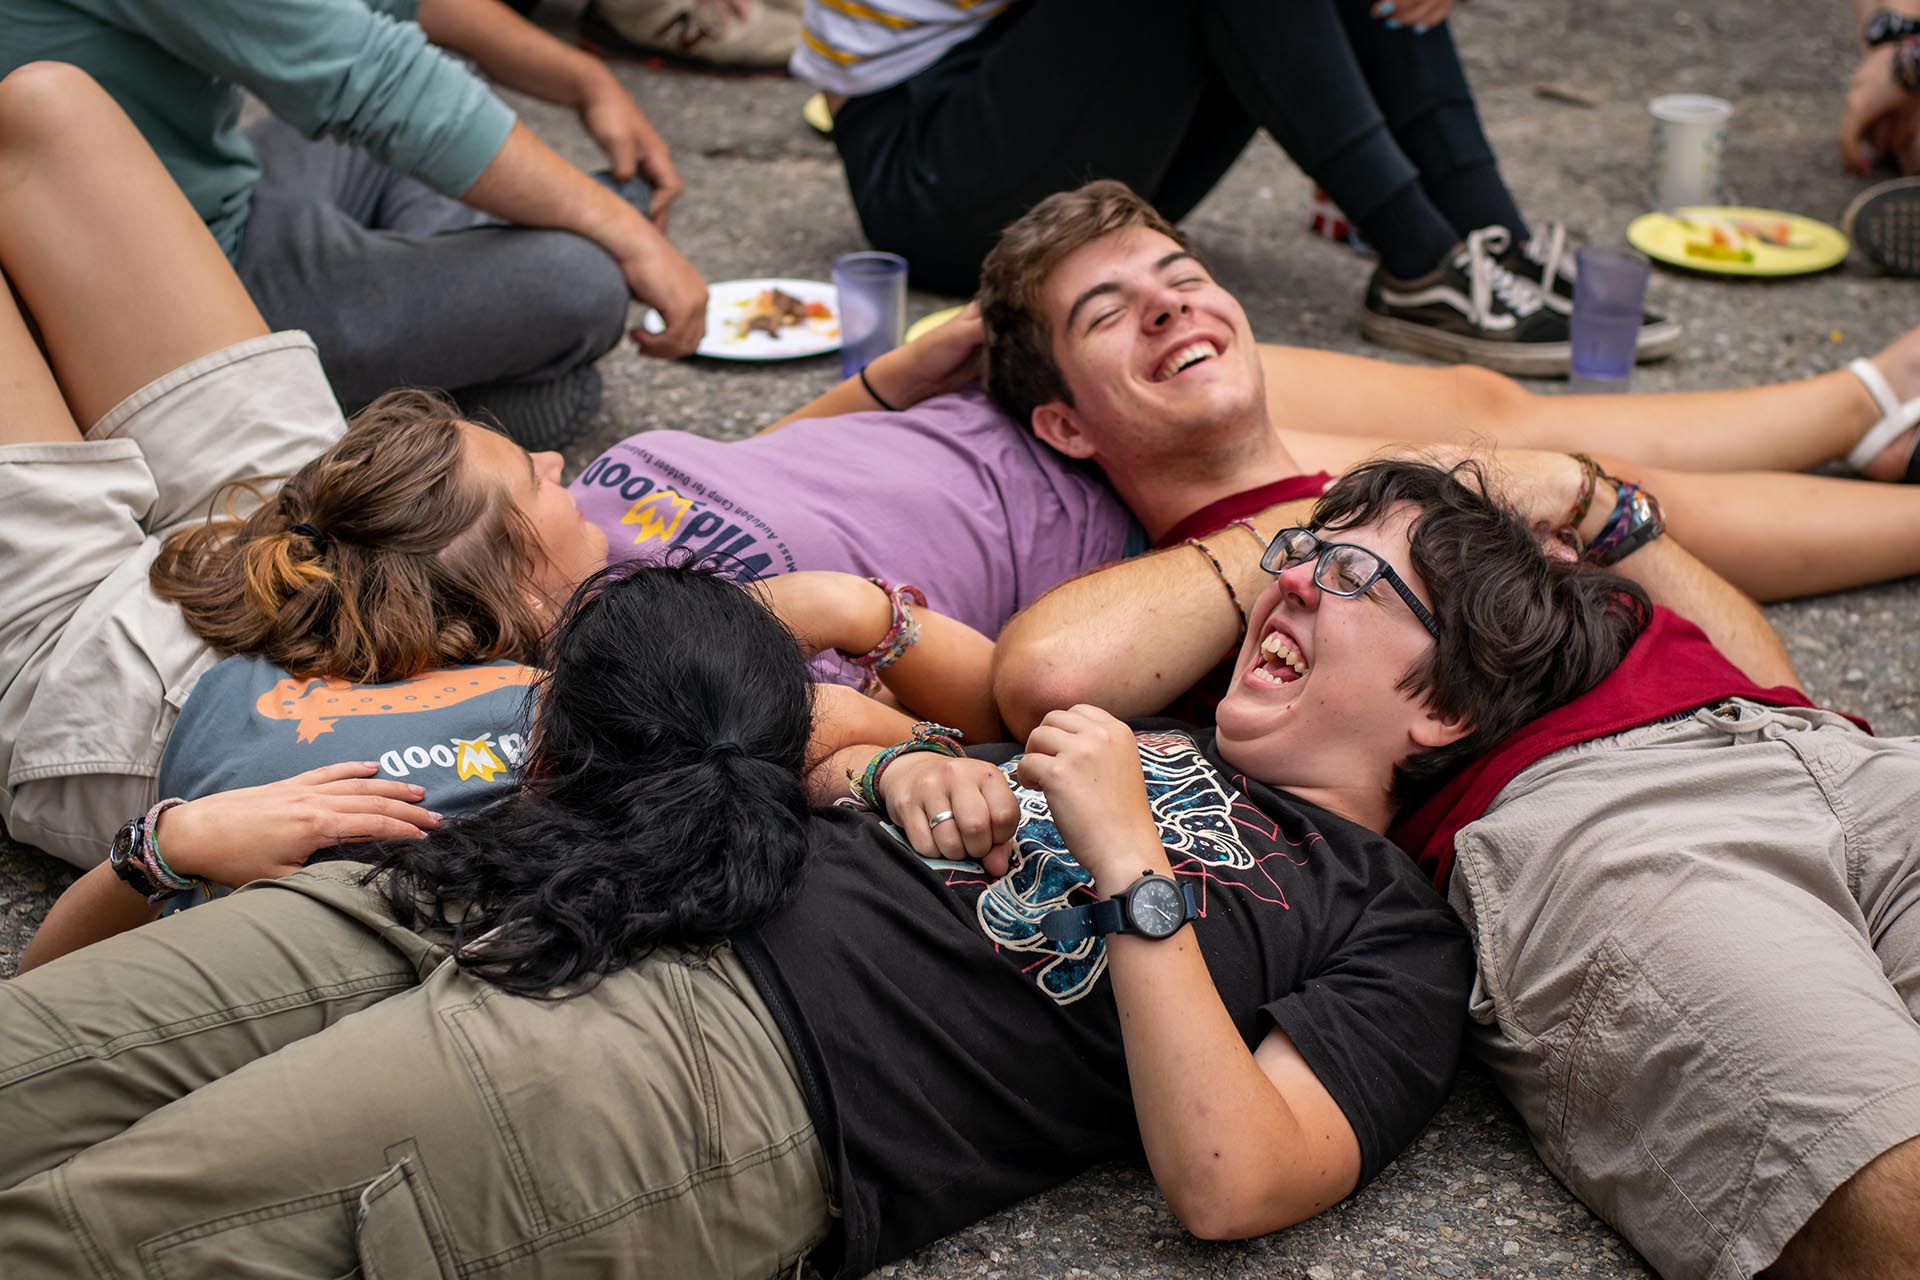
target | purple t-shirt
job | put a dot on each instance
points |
(950, 496)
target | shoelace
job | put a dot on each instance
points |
(1548, 254)
(1487, 279)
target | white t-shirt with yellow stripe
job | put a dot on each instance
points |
(863, 46)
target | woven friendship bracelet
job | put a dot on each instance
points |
(1225, 581)
(1591, 474)
(902, 633)
(165, 879)
(927, 736)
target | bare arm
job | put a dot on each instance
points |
(1264, 1145)
(943, 360)
(528, 183)
(944, 677)
(516, 53)
(1133, 636)
(231, 837)
(97, 905)
(1731, 620)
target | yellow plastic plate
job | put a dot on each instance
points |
(1811, 246)
(927, 323)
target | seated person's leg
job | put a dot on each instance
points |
(1050, 96)
(1428, 105)
(1295, 72)
(454, 309)
(98, 1039)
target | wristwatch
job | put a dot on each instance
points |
(1886, 26)
(124, 858)
(1154, 906)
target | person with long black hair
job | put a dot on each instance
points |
(657, 1014)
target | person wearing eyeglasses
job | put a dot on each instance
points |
(1694, 895)
(723, 1034)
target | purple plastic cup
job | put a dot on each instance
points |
(1609, 295)
(872, 289)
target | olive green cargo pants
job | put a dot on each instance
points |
(287, 1083)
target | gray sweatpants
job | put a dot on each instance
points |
(287, 1083)
(402, 286)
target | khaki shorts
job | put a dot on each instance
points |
(1699, 950)
(93, 666)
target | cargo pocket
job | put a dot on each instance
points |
(399, 1230)
(1658, 1128)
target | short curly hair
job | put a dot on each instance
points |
(1022, 374)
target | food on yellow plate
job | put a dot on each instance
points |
(1733, 239)
(1777, 232)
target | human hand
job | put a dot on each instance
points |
(631, 143)
(659, 275)
(265, 832)
(942, 360)
(1088, 764)
(920, 784)
(1874, 106)
(1420, 15)
(826, 610)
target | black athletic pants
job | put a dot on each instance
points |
(1163, 96)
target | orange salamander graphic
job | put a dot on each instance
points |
(315, 704)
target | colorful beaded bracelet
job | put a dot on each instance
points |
(927, 736)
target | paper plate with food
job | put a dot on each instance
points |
(1732, 240)
(771, 320)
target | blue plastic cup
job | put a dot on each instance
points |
(1609, 296)
(872, 289)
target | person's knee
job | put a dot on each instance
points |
(1866, 1227)
(587, 293)
(40, 101)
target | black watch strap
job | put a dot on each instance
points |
(1886, 26)
(1108, 915)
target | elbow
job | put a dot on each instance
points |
(1218, 1213)
(1032, 676)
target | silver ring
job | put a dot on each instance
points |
(945, 815)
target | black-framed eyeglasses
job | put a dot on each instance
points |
(1340, 569)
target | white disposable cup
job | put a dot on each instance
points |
(1689, 135)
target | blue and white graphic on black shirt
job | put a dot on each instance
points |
(1195, 815)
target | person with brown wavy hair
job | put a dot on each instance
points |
(377, 560)
(146, 530)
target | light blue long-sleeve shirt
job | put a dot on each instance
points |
(359, 71)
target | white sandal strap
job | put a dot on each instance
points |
(1895, 417)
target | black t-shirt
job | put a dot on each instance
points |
(956, 1062)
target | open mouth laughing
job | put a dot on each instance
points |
(1279, 660)
(1185, 357)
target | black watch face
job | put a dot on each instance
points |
(122, 848)
(1158, 908)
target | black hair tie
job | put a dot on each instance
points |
(315, 535)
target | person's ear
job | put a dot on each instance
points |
(1058, 427)
(1431, 731)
